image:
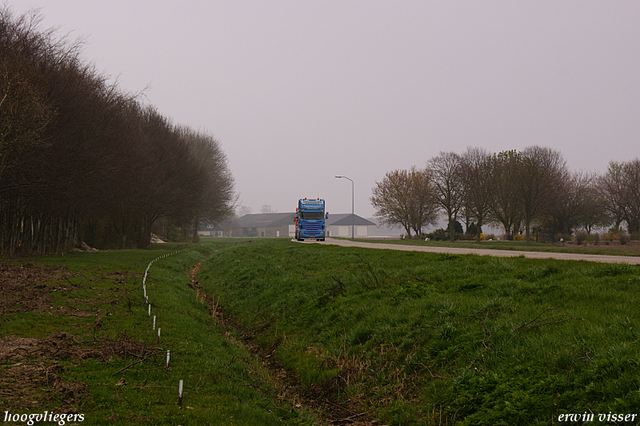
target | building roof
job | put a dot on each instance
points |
(265, 220)
(269, 220)
(344, 219)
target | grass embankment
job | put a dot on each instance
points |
(73, 326)
(420, 338)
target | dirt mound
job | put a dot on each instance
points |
(85, 248)
(156, 240)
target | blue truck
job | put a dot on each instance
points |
(309, 219)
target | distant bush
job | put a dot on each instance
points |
(521, 237)
(457, 228)
(624, 237)
(589, 239)
(617, 234)
(472, 230)
(438, 235)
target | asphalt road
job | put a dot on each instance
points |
(633, 260)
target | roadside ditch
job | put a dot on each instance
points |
(286, 382)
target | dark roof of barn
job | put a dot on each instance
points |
(270, 220)
(265, 220)
(342, 219)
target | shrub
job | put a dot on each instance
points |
(624, 237)
(589, 239)
(438, 235)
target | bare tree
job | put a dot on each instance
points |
(79, 160)
(405, 197)
(478, 176)
(425, 207)
(620, 187)
(216, 200)
(25, 114)
(540, 172)
(505, 206)
(572, 201)
(632, 183)
(243, 210)
(612, 189)
(448, 186)
(594, 213)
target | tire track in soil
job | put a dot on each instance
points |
(287, 383)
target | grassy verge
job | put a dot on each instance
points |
(76, 337)
(421, 338)
(602, 248)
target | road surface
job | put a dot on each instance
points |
(633, 260)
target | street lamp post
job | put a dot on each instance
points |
(352, 205)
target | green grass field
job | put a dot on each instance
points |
(419, 338)
(92, 329)
(404, 338)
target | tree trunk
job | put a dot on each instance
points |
(452, 231)
(195, 238)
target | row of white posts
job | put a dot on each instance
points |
(146, 298)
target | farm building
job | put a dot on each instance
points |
(281, 225)
(207, 229)
(265, 225)
(339, 225)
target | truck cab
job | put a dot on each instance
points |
(310, 219)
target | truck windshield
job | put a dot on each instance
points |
(312, 215)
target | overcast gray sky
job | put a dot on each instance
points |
(299, 91)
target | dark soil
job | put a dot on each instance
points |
(31, 368)
(24, 288)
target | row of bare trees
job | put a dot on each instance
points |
(82, 161)
(518, 190)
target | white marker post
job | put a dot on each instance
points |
(180, 394)
(159, 334)
(149, 308)
(168, 356)
(154, 322)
